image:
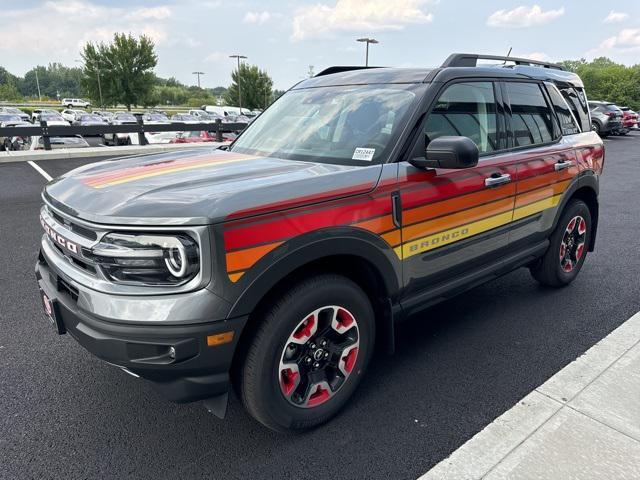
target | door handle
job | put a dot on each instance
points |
(563, 164)
(497, 179)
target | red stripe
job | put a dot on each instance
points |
(286, 226)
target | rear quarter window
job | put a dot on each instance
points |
(568, 123)
(531, 118)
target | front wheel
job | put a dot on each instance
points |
(308, 354)
(568, 247)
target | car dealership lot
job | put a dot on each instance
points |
(458, 366)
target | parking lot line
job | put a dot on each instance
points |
(40, 170)
(538, 433)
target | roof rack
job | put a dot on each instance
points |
(338, 69)
(471, 60)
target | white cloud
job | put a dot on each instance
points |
(78, 21)
(616, 17)
(158, 13)
(257, 17)
(627, 40)
(357, 16)
(523, 17)
(216, 57)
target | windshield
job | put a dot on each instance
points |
(91, 118)
(331, 124)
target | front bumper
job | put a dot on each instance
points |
(195, 371)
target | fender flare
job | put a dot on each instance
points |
(314, 246)
(586, 179)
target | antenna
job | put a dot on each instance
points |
(508, 54)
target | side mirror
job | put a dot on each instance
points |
(449, 152)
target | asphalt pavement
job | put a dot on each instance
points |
(458, 366)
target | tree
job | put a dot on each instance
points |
(255, 87)
(122, 71)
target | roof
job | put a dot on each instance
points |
(456, 66)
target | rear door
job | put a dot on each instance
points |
(456, 220)
(545, 158)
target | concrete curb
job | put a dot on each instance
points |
(573, 400)
(96, 152)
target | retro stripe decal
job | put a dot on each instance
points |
(131, 174)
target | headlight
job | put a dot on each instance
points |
(147, 259)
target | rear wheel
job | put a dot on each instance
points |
(595, 126)
(568, 247)
(308, 354)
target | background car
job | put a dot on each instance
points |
(629, 118)
(16, 111)
(37, 142)
(75, 102)
(104, 114)
(37, 112)
(606, 118)
(10, 120)
(52, 118)
(121, 118)
(71, 115)
(194, 137)
(184, 118)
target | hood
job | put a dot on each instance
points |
(200, 187)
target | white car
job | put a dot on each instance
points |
(52, 118)
(75, 102)
(71, 115)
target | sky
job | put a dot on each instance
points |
(286, 37)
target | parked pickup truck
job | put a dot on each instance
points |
(360, 197)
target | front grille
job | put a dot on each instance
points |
(73, 226)
(66, 287)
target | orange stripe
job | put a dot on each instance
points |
(377, 225)
(455, 219)
(542, 180)
(243, 259)
(393, 238)
(234, 277)
(444, 207)
(541, 193)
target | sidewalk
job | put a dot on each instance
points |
(583, 423)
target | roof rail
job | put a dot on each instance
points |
(471, 60)
(338, 69)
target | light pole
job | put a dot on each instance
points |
(38, 85)
(239, 89)
(198, 74)
(367, 41)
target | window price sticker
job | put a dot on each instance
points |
(365, 154)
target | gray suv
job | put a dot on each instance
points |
(606, 118)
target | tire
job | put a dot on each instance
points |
(274, 389)
(568, 247)
(69, 106)
(595, 126)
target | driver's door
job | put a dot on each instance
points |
(456, 220)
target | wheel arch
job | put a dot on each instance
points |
(361, 256)
(585, 188)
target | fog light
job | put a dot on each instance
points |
(219, 339)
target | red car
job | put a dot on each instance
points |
(630, 118)
(194, 137)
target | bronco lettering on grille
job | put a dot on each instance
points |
(59, 239)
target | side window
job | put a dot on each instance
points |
(568, 123)
(467, 110)
(531, 118)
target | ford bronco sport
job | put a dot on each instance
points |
(360, 197)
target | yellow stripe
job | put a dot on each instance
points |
(453, 235)
(536, 207)
(140, 176)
